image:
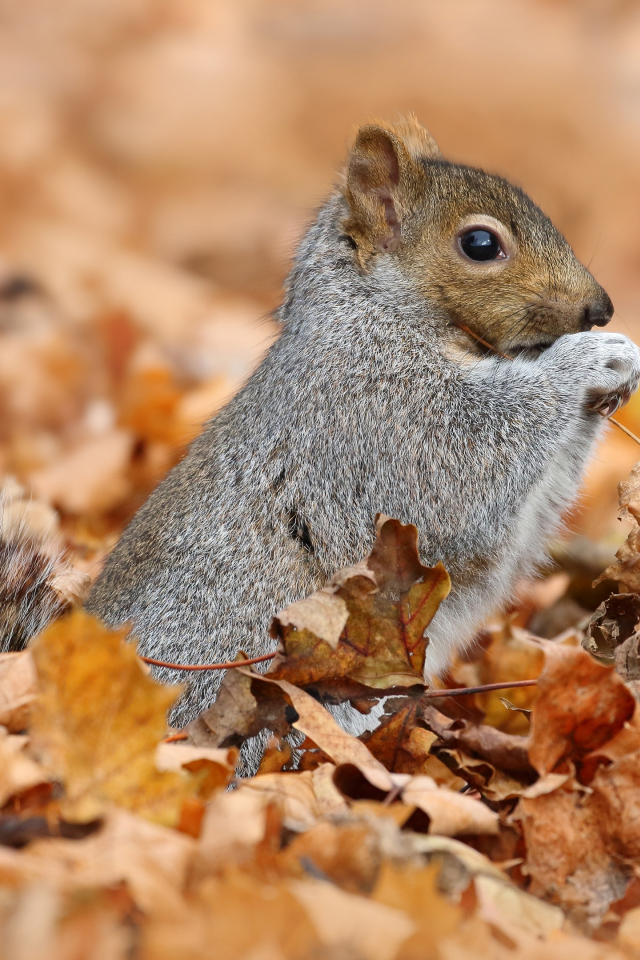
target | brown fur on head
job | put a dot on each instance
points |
(406, 201)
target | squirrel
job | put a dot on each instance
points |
(375, 398)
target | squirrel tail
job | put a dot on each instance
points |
(37, 582)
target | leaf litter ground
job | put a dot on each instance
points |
(460, 827)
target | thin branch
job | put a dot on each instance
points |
(624, 429)
(485, 688)
(209, 666)
(484, 343)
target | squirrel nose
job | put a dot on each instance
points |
(597, 313)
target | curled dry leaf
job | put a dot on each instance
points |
(492, 761)
(18, 771)
(304, 798)
(626, 568)
(18, 689)
(613, 622)
(366, 627)
(581, 705)
(450, 814)
(244, 706)
(98, 721)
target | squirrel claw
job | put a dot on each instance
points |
(607, 406)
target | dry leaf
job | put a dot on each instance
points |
(366, 627)
(345, 852)
(613, 622)
(151, 859)
(214, 769)
(243, 707)
(98, 721)
(351, 924)
(569, 855)
(18, 690)
(416, 890)
(451, 814)
(301, 805)
(234, 823)
(18, 771)
(581, 705)
(318, 724)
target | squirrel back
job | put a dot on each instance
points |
(375, 399)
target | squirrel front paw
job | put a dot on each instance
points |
(605, 365)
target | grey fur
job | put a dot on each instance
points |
(359, 407)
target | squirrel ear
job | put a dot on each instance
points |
(385, 180)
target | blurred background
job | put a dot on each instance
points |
(160, 158)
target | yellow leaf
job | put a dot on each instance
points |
(98, 721)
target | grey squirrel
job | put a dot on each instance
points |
(375, 399)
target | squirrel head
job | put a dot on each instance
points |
(474, 245)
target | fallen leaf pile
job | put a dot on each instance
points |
(461, 827)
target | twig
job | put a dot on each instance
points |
(456, 692)
(505, 356)
(484, 343)
(624, 430)
(485, 688)
(209, 666)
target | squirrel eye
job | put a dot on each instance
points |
(481, 245)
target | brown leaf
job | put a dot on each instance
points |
(627, 662)
(98, 721)
(618, 786)
(491, 782)
(347, 854)
(501, 749)
(629, 493)
(569, 855)
(357, 631)
(391, 741)
(212, 769)
(318, 724)
(244, 706)
(581, 705)
(151, 859)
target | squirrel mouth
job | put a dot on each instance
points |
(520, 349)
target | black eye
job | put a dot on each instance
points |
(481, 245)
